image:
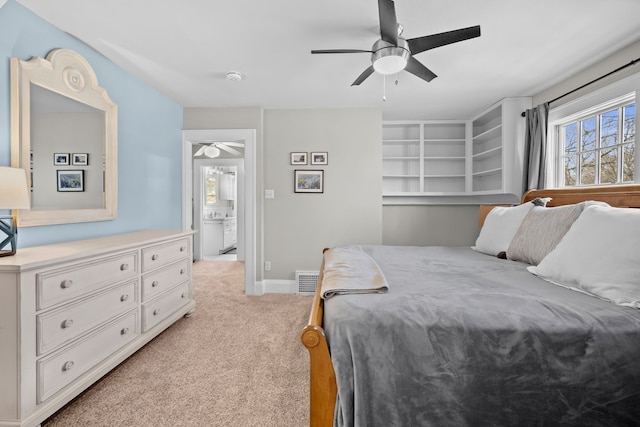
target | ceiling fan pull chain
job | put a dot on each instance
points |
(384, 87)
(396, 79)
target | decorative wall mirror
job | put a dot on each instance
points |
(64, 132)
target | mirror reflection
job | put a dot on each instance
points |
(67, 144)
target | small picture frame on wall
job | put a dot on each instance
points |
(80, 159)
(298, 158)
(320, 158)
(61, 159)
(70, 180)
(309, 181)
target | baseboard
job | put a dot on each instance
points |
(279, 286)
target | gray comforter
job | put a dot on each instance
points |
(465, 339)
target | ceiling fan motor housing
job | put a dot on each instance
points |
(388, 58)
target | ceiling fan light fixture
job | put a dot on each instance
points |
(212, 151)
(390, 59)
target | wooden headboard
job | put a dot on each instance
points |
(621, 196)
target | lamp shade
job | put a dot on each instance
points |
(14, 192)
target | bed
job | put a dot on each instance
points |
(450, 336)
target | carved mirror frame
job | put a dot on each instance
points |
(67, 73)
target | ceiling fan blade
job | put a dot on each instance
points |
(420, 44)
(362, 77)
(233, 144)
(417, 69)
(341, 51)
(228, 149)
(388, 21)
(200, 151)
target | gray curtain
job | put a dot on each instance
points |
(535, 147)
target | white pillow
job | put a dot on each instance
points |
(501, 225)
(599, 255)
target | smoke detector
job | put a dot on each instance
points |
(234, 76)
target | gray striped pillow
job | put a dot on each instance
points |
(541, 230)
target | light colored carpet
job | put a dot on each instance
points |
(238, 361)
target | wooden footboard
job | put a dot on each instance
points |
(323, 378)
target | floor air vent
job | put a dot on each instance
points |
(307, 281)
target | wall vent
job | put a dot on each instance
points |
(307, 281)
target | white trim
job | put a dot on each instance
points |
(272, 286)
(251, 287)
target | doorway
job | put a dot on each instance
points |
(246, 218)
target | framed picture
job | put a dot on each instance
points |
(80, 159)
(72, 180)
(309, 181)
(61, 159)
(320, 158)
(298, 158)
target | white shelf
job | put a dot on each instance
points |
(487, 172)
(487, 153)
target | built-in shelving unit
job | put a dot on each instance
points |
(497, 148)
(456, 161)
(423, 157)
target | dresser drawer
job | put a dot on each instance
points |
(162, 280)
(62, 325)
(157, 256)
(60, 369)
(64, 284)
(162, 307)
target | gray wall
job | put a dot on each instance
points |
(605, 66)
(293, 228)
(438, 225)
(298, 226)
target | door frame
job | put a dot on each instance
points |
(248, 136)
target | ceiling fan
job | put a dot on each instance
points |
(392, 53)
(212, 148)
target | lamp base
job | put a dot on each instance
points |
(10, 229)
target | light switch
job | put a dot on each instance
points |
(268, 194)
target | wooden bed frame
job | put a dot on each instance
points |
(322, 376)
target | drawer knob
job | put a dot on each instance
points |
(154, 284)
(66, 284)
(124, 267)
(184, 295)
(124, 331)
(181, 271)
(124, 297)
(156, 311)
(67, 366)
(67, 324)
(154, 257)
(182, 248)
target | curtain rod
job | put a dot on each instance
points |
(592, 81)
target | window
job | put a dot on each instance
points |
(597, 146)
(211, 191)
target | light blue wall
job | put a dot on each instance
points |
(149, 134)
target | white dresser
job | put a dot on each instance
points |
(71, 312)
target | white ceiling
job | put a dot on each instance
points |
(184, 48)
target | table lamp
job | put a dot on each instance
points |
(14, 194)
